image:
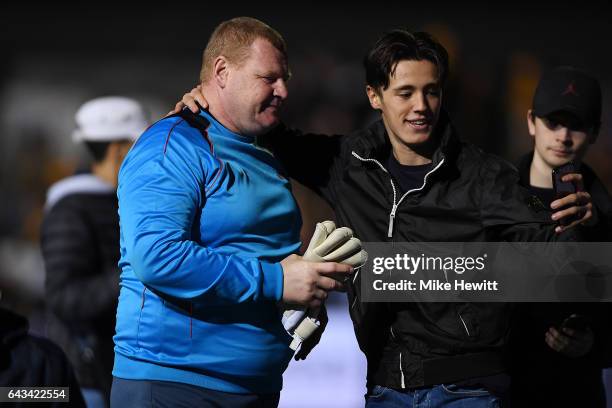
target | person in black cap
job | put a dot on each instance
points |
(556, 358)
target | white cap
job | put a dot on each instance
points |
(109, 118)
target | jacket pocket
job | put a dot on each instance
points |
(378, 392)
(177, 330)
(147, 335)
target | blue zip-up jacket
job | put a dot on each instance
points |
(205, 220)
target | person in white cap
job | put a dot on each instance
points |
(80, 242)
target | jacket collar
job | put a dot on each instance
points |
(374, 142)
(524, 167)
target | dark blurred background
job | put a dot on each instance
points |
(54, 58)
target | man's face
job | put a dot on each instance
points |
(558, 138)
(257, 88)
(411, 103)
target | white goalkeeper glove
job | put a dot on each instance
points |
(327, 244)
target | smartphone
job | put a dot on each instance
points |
(564, 188)
(575, 322)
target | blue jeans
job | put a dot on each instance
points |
(446, 396)
(94, 398)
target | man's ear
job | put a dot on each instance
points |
(220, 71)
(531, 122)
(374, 97)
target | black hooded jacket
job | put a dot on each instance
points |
(540, 375)
(29, 361)
(80, 247)
(468, 196)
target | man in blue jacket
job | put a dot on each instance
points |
(208, 226)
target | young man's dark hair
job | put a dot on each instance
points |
(398, 45)
(97, 150)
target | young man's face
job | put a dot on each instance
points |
(557, 139)
(257, 89)
(411, 103)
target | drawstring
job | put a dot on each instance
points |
(396, 204)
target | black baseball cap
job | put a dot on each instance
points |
(567, 89)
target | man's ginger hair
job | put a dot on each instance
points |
(233, 38)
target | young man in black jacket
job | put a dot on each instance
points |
(553, 364)
(80, 244)
(408, 177)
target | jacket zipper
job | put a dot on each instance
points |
(403, 383)
(458, 312)
(464, 325)
(392, 222)
(396, 204)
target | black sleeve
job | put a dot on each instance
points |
(505, 208)
(68, 248)
(600, 315)
(38, 362)
(371, 320)
(56, 370)
(599, 228)
(308, 158)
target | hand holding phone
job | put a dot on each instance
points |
(574, 338)
(564, 188)
(575, 322)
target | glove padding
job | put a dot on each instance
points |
(327, 244)
(331, 244)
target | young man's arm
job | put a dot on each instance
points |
(507, 211)
(308, 158)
